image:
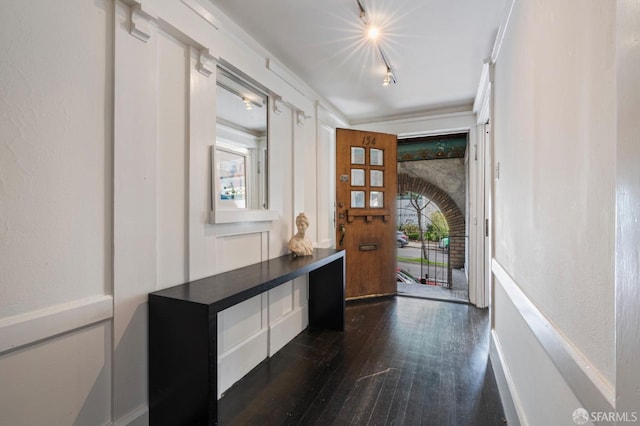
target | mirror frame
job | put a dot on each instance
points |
(256, 159)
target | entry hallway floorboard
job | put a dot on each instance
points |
(400, 361)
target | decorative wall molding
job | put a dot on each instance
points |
(282, 72)
(278, 104)
(591, 389)
(242, 215)
(431, 114)
(45, 323)
(481, 103)
(506, 19)
(329, 115)
(301, 117)
(141, 20)
(206, 63)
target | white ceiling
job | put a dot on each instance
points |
(436, 49)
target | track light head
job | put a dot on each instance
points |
(388, 78)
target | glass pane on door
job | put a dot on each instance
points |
(357, 177)
(357, 199)
(377, 178)
(376, 199)
(376, 157)
(357, 155)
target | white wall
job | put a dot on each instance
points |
(105, 192)
(54, 220)
(627, 206)
(325, 190)
(55, 212)
(554, 207)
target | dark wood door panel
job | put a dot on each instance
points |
(366, 186)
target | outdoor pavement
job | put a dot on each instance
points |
(458, 293)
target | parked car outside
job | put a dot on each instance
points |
(402, 239)
(404, 276)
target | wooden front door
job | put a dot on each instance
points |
(366, 186)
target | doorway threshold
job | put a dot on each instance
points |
(459, 293)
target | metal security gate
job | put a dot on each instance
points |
(434, 268)
(431, 269)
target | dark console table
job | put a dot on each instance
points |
(183, 329)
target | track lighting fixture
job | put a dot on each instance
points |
(387, 78)
(373, 33)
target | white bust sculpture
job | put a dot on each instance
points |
(299, 244)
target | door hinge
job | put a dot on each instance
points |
(486, 227)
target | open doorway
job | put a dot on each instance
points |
(431, 216)
(424, 265)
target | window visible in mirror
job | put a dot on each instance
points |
(232, 178)
(239, 157)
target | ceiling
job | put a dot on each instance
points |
(436, 49)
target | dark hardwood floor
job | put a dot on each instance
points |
(400, 361)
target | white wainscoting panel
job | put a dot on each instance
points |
(288, 313)
(257, 328)
(240, 322)
(536, 358)
(243, 339)
(62, 381)
(236, 251)
(34, 326)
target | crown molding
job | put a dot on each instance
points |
(141, 20)
(278, 104)
(204, 10)
(481, 102)
(301, 117)
(462, 108)
(206, 62)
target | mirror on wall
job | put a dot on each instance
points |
(239, 157)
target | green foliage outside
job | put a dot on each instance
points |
(436, 229)
(419, 260)
(412, 231)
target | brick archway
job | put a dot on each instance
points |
(449, 209)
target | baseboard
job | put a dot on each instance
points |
(508, 393)
(239, 360)
(137, 417)
(287, 327)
